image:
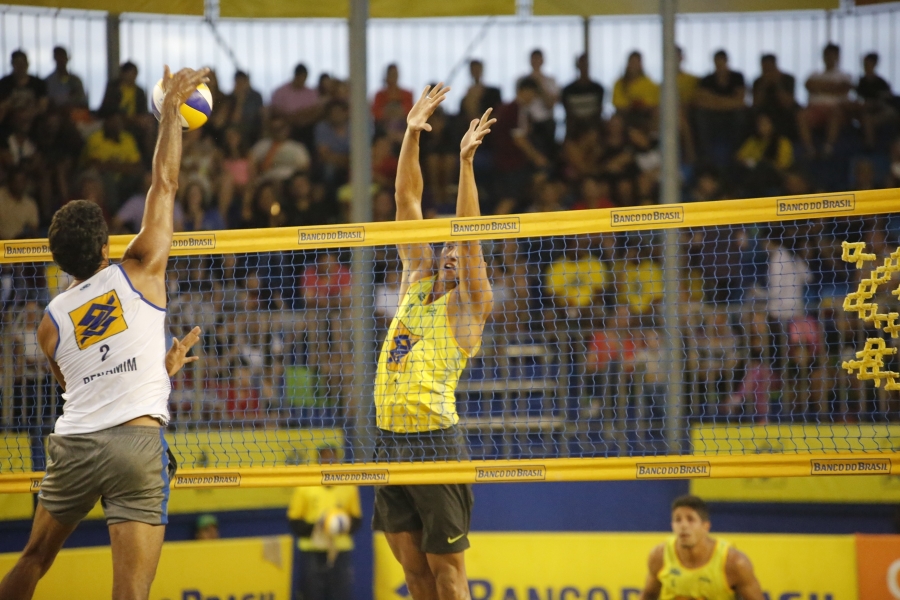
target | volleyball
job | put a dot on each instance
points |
(195, 110)
(336, 522)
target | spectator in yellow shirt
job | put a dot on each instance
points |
(114, 153)
(576, 277)
(642, 281)
(324, 518)
(635, 95)
(766, 156)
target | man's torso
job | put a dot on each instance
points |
(707, 582)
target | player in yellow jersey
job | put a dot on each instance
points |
(691, 565)
(438, 327)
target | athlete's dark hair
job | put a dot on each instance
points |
(77, 235)
(694, 503)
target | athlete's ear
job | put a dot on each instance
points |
(104, 251)
(706, 525)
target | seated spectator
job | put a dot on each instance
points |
(595, 193)
(877, 100)
(384, 208)
(20, 212)
(206, 528)
(391, 98)
(262, 209)
(650, 373)
(236, 171)
(720, 111)
(200, 160)
(583, 99)
(582, 153)
(643, 280)
(540, 111)
(246, 108)
(479, 97)
(718, 349)
(707, 186)
(299, 105)
(635, 95)
(765, 155)
(326, 290)
(549, 198)
(90, 187)
(384, 161)
(516, 156)
(277, 157)
(60, 144)
(332, 136)
(304, 204)
(129, 217)
(19, 90)
(687, 91)
(618, 159)
(828, 101)
(199, 212)
(19, 148)
(114, 153)
(64, 89)
(773, 94)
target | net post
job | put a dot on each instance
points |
(670, 195)
(361, 400)
(6, 375)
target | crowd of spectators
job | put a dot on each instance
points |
(760, 306)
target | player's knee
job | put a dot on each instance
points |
(450, 582)
(38, 558)
(417, 573)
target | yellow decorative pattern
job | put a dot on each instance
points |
(869, 363)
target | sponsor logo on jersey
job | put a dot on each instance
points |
(673, 470)
(518, 473)
(818, 205)
(485, 226)
(850, 466)
(98, 319)
(379, 476)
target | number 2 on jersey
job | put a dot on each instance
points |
(105, 350)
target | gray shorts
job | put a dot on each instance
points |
(128, 467)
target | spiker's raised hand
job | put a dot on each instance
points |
(478, 128)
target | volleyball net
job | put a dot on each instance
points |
(747, 338)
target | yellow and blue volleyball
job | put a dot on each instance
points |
(195, 110)
(336, 522)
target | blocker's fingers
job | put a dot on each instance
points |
(166, 72)
(425, 92)
(190, 359)
(486, 115)
(191, 338)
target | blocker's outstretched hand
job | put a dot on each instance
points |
(431, 98)
(478, 128)
(181, 85)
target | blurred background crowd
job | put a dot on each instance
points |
(762, 328)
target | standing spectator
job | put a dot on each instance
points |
(19, 210)
(595, 193)
(332, 136)
(828, 101)
(19, 90)
(299, 105)
(583, 99)
(246, 108)
(773, 94)
(581, 153)
(326, 290)
(64, 89)
(262, 209)
(617, 163)
(687, 91)
(540, 111)
(391, 101)
(123, 95)
(199, 213)
(516, 156)
(324, 519)
(750, 403)
(129, 217)
(635, 95)
(877, 101)
(788, 277)
(479, 97)
(276, 157)
(303, 205)
(720, 111)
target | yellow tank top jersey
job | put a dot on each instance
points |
(704, 583)
(419, 366)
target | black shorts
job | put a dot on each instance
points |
(441, 512)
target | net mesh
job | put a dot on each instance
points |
(577, 358)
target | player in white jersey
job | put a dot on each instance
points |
(105, 340)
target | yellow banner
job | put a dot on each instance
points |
(166, 7)
(698, 214)
(647, 7)
(247, 568)
(827, 481)
(613, 566)
(386, 9)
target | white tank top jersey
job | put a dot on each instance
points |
(111, 351)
